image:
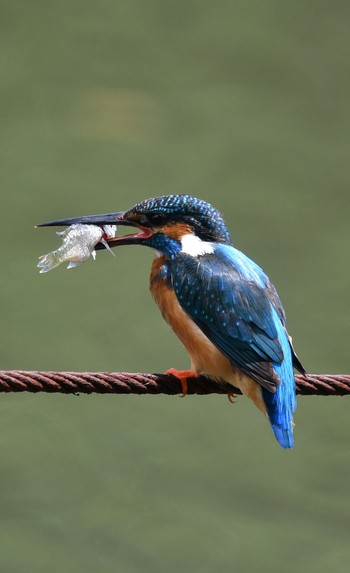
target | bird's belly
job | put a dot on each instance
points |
(205, 357)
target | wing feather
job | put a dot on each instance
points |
(232, 301)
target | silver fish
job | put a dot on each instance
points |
(78, 243)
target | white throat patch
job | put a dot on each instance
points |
(194, 246)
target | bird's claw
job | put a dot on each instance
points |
(182, 376)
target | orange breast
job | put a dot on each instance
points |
(205, 357)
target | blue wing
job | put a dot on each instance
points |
(233, 302)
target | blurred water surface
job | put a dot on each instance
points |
(246, 105)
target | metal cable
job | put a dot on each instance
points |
(134, 383)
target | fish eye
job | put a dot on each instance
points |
(156, 219)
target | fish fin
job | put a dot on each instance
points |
(73, 264)
(106, 246)
(93, 254)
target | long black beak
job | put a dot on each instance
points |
(106, 219)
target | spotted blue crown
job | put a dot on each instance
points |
(207, 222)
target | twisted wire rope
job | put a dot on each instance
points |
(141, 383)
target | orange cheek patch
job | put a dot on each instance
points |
(176, 231)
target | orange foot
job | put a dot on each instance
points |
(231, 397)
(182, 375)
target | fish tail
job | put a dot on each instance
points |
(48, 262)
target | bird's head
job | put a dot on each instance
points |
(162, 223)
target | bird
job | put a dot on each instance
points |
(219, 303)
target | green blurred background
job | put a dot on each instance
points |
(245, 104)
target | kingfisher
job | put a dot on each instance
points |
(220, 304)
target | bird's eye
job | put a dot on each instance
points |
(157, 219)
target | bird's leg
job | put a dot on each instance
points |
(182, 375)
(231, 397)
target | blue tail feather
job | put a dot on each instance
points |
(281, 404)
